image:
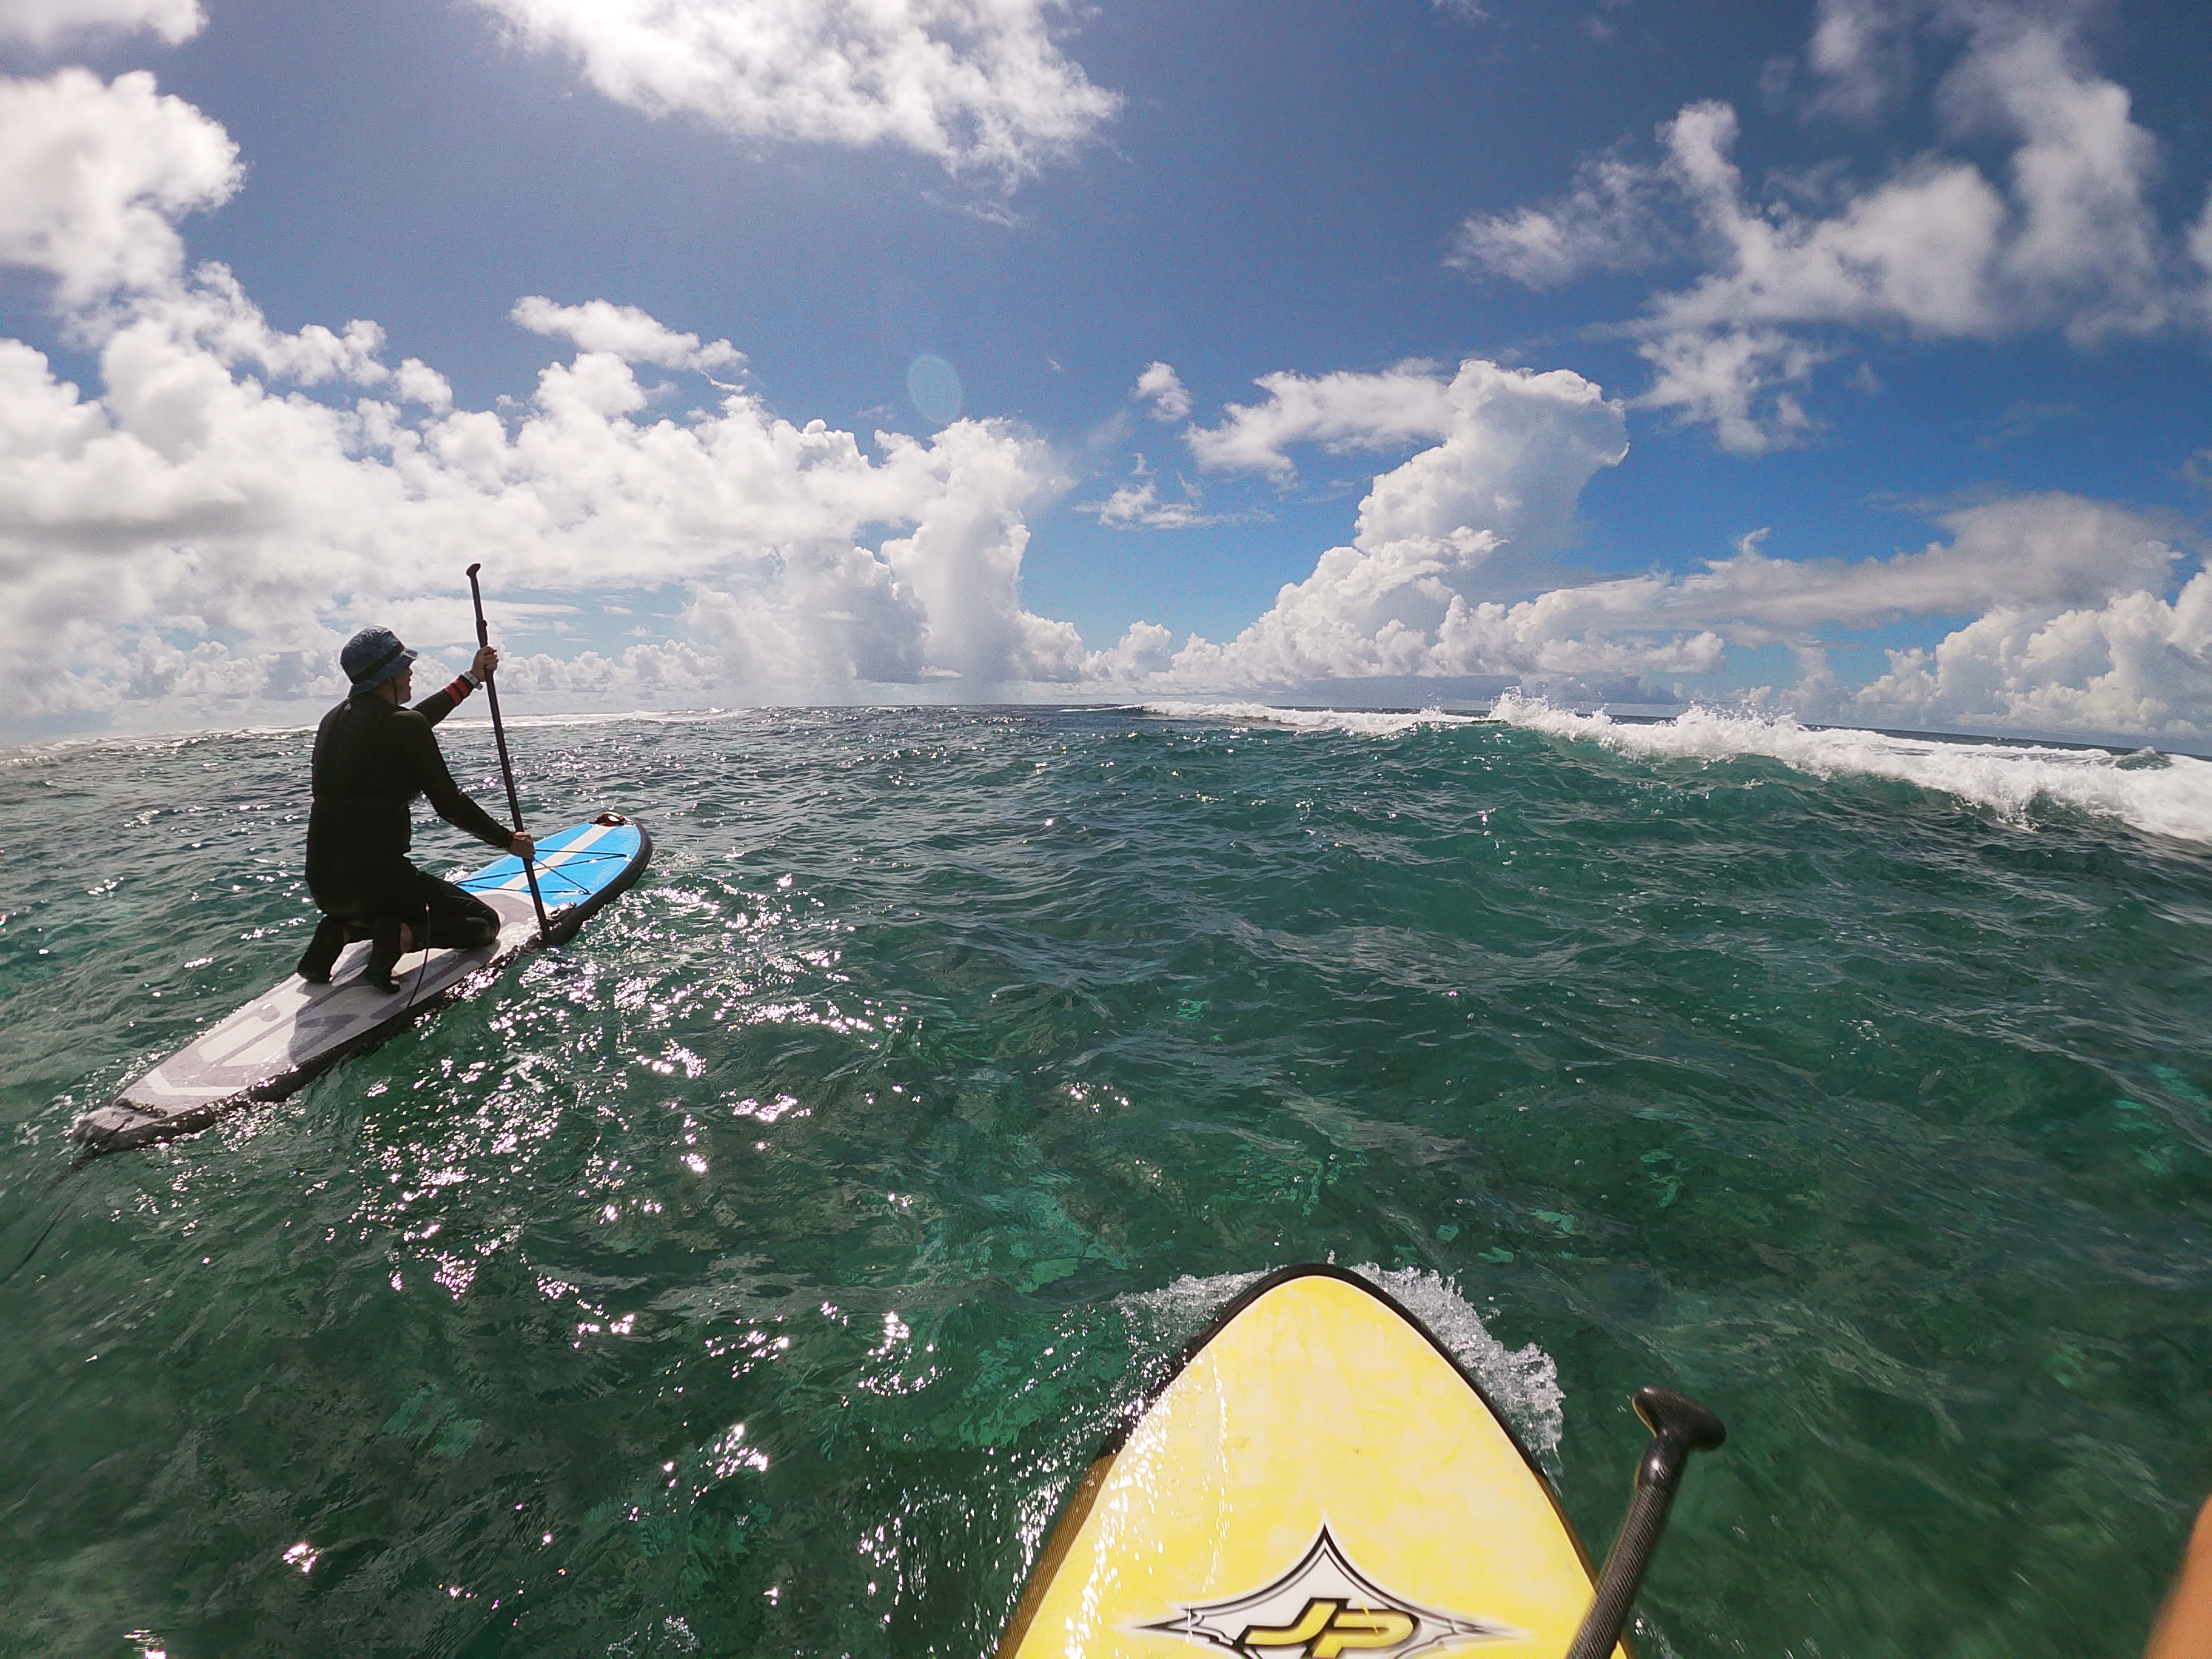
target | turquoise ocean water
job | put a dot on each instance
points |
(752, 1276)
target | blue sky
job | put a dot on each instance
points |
(1948, 298)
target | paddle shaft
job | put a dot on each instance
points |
(506, 766)
(1679, 1426)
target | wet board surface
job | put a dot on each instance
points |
(277, 1041)
(1318, 1478)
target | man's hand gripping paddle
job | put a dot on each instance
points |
(506, 766)
(1679, 1426)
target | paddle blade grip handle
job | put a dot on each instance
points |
(1680, 1426)
(476, 598)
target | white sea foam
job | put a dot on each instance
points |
(1358, 722)
(1522, 1382)
(1162, 1320)
(2163, 795)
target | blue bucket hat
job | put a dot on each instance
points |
(373, 656)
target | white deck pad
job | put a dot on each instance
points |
(278, 1041)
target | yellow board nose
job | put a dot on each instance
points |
(1319, 1479)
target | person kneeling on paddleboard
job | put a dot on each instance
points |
(373, 755)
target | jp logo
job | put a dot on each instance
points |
(1327, 1627)
(1324, 1607)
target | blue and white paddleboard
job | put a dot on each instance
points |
(277, 1042)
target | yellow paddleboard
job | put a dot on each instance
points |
(1317, 1480)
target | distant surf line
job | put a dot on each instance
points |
(2160, 793)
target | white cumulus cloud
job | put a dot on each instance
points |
(1343, 412)
(2137, 665)
(195, 528)
(1863, 51)
(1510, 449)
(976, 84)
(188, 497)
(43, 24)
(1138, 504)
(2047, 551)
(624, 332)
(198, 525)
(96, 175)
(1407, 597)
(1618, 215)
(1507, 453)
(1161, 387)
(2066, 239)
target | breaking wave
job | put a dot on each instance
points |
(2164, 795)
(1358, 722)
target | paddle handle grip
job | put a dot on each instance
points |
(506, 766)
(1680, 1426)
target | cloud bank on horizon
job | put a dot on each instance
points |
(196, 534)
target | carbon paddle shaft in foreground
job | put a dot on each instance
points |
(506, 766)
(1679, 1426)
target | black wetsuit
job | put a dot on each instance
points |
(372, 759)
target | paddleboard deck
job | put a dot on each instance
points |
(1315, 1479)
(274, 1044)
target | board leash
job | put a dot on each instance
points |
(55, 1219)
(53, 1222)
(506, 766)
